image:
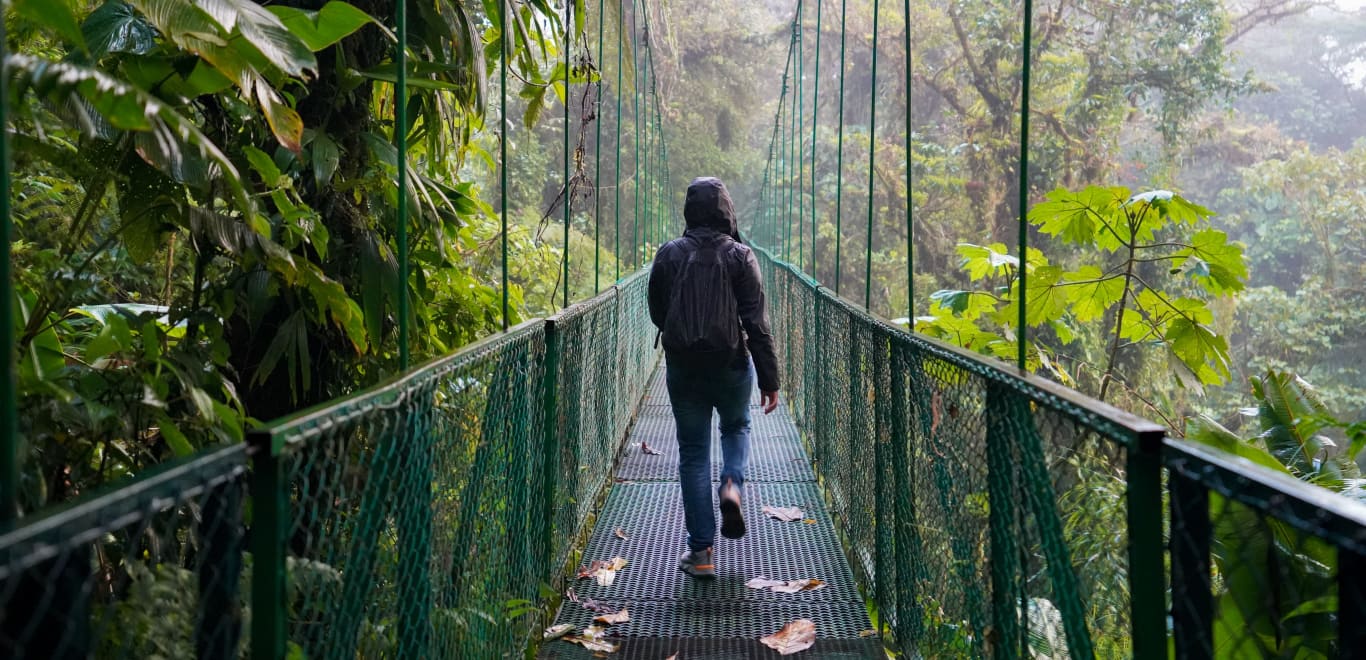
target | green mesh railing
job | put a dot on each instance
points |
(992, 513)
(420, 518)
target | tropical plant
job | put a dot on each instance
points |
(1124, 282)
(1276, 588)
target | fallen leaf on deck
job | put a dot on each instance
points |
(613, 618)
(762, 582)
(594, 606)
(645, 448)
(785, 513)
(868, 633)
(793, 586)
(810, 521)
(555, 632)
(798, 635)
(785, 586)
(592, 644)
(622, 535)
(605, 572)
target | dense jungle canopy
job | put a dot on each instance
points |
(204, 195)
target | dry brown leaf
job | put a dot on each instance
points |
(785, 514)
(592, 644)
(622, 535)
(605, 577)
(810, 521)
(556, 632)
(867, 633)
(762, 582)
(793, 586)
(614, 618)
(645, 448)
(796, 636)
(594, 606)
(604, 572)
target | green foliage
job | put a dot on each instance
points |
(205, 212)
(1118, 284)
(1276, 582)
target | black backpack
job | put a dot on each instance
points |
(703, 319)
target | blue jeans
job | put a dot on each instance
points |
(693, 393)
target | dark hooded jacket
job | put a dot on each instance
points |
(710, 217)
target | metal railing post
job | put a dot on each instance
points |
(1143, 499)
(267, 548)
(1192, 599)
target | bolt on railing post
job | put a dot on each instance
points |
(268, 510)
(1143, 498)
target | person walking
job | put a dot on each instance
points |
(707, 300)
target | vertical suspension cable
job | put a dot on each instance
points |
(616, 171)
(597, 160)
(910, 200)
(791, 153)
(815, 116)
(568, 187)
(635, 113)
(1023, 301)
(839, 156)
(401, 146)
(503, 145)
(800, 137)
(872, 171)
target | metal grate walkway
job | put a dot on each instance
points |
(671, 613)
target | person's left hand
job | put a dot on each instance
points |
(769, 400)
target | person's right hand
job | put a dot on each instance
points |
(769, 400)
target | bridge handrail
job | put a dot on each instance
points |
(351, 525)
(1026, 428)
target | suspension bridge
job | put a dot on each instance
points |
(498, 500)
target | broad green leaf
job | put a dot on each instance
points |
(263, 165)
(44, 358)
(113, 337)
(1205, 352)
(1206, 431)
(981, 261)
(229, 420)
(324, 27)
(326, 157)
(125, 107)
(1286, 404)
(284, 122)
(58, 16)
(1047, 301)
(115, 28)
(1092, 293)
(264, 32)
(179, 444)
(1073, 217)
(1219, 266)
